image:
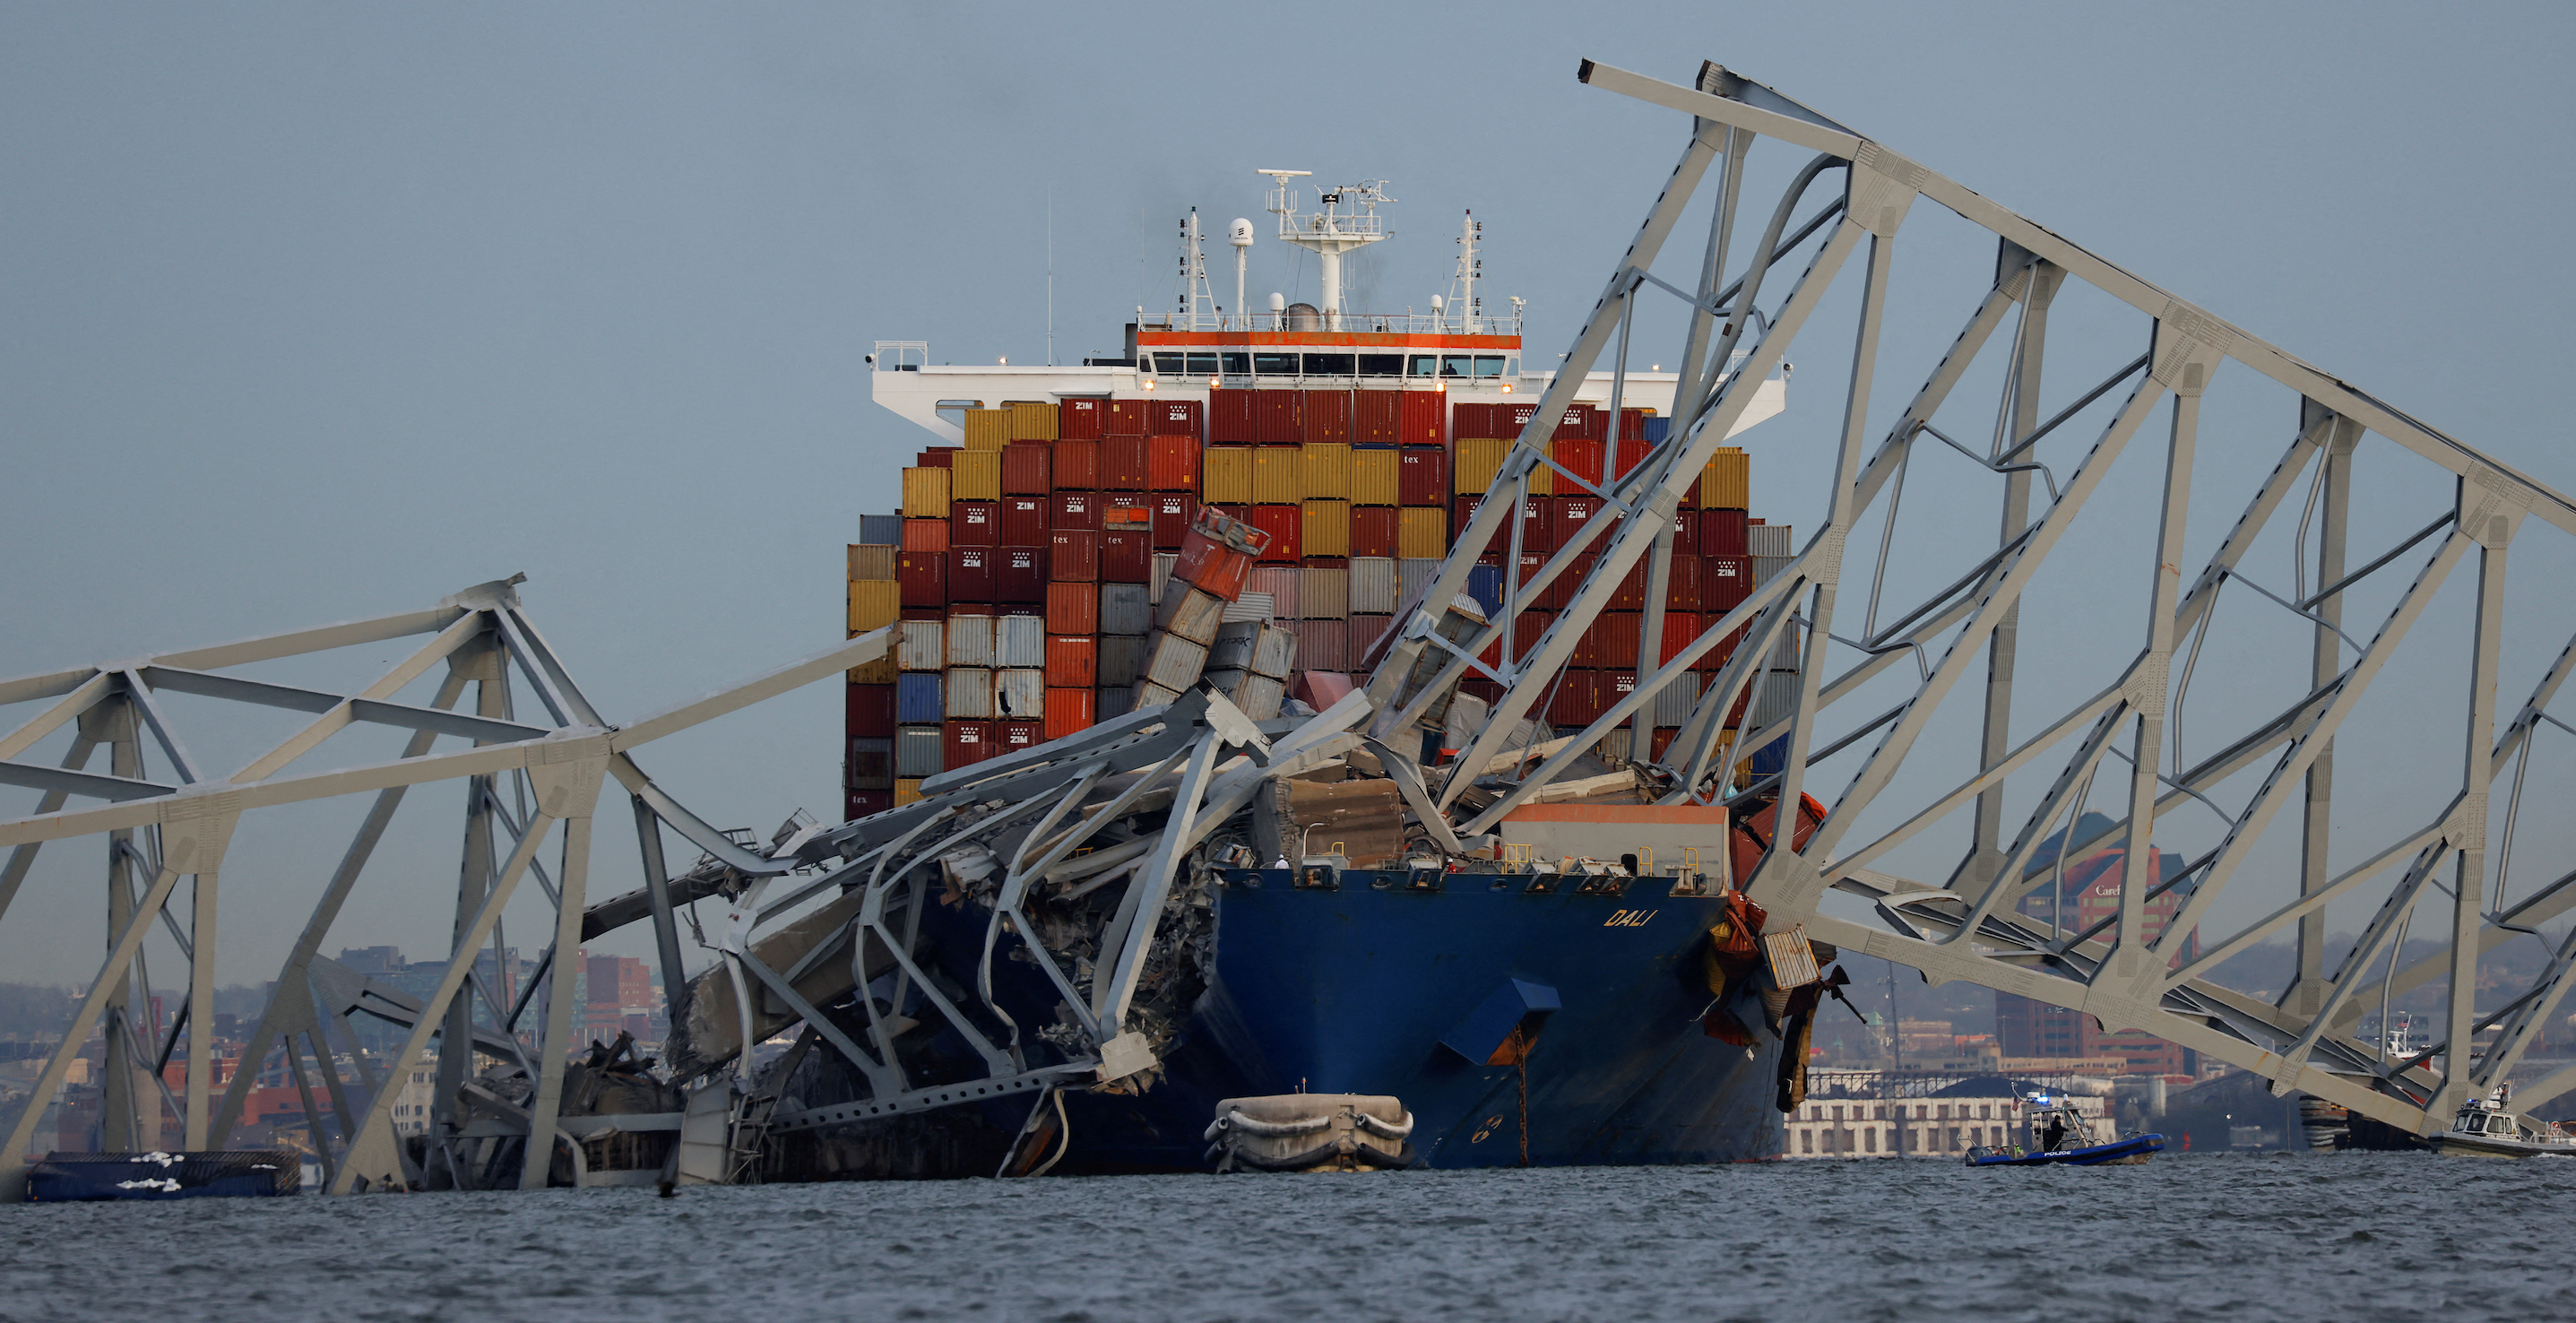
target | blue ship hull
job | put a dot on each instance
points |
(1376, 988)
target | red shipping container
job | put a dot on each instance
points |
(1024, 520)
(1632, 424)
(1323, 645)
(1124, 466)
(937, 457)
(1126, 557)
(1276, 418)
(1724, 582)
(1577, 700)
(1717, 656)
(1072, 608)
(974, 523)
(1580, 457)
(1632, 451)
(1630, 595)
(1561, 589)
(1681, 583)
(1077, 466)
(1128, 418)
(1215, 565)
(926, 613)
(1376, 416)
(1723, 533)
(1373, 529)
(1074, 509)
(1175, 418)
(1172, 463)
(1073, 556)
(1230, 418)
(1028, 468)
(1421, 418)
(970, 573)
(1587, 422)
(870, 712)
(1610, 641)
(1681, 629)
(1461, 509)
(1686, 533)
(1510, 420)
(968, 743)
(923, 576)
(925, 535)
(858, 804)
(1324, 415)
(1081, 420)
(1021, 575)
(1072, 661)
(1126, 512)
(1531, 563)
(1068, 712)
(1173, 512)
(1018, 735)
(1615, 687)
(1568, 516)
(1281, 523)
(1472, 420)
(1422, 476)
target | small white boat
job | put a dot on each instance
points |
(2485, 1128)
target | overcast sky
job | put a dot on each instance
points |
(317, 312)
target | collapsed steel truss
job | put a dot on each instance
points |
(524, 777)
(1969, 925)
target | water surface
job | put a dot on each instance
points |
(2276, 1236)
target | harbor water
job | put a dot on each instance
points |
(2240, 1237)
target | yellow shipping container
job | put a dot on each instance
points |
(987, 429)
(1324, 474)
(975, 475)
(874, 604)
(1274, 476)
(883, 669)
(1421, 533)
(1324, 528)
(907, 790)
(1727, 482)
(1542, 479)
(1474, 463)
(1374, 478)
(925, 493)
(867, 562)
(1227, 479)
(1031, 420)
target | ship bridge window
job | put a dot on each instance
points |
(1381, 365)
(1171, 364)
(1274, 365)
(1423, 365)
(1202, 364)
(1236, 365)
(1328, 365)
(1489, 365)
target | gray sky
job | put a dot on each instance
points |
(316, 312)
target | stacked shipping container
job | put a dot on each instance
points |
(1025, 568)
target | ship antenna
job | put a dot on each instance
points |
(1471, 268)
(1331, 232)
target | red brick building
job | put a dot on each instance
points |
(2091, 889)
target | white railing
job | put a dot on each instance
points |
(1372, 323)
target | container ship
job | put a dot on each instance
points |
(1546, 999)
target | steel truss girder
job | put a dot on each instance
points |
(2126, 970)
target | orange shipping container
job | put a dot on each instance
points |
(1073, 608)
(1077, 466)
(925, 535)
(1072, 661)
(1068, 712)
(1172, 463)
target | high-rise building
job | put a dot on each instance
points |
(619, 994)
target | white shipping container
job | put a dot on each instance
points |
(1152, 695)
(1773, 695)
(970, 640)
(1414, 577)
(1251, 606)
(1192, 617)
(921, 645)
(1372, 585)
(1274, 654)
(1261, 697)
(1674, 702)
(1019, 641)
(1768, 539)
(970, 693)
(1161, 577)
(1323, 593)
(1177, 663)
(1280, 582)
(1767, 568)
(917, 751)
(1019, 695)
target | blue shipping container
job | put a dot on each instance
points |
(1772, 757)
(881, 530)
(1485, 584)
(1658, 427)
(917, 698)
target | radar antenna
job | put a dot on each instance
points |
(1331, 232)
